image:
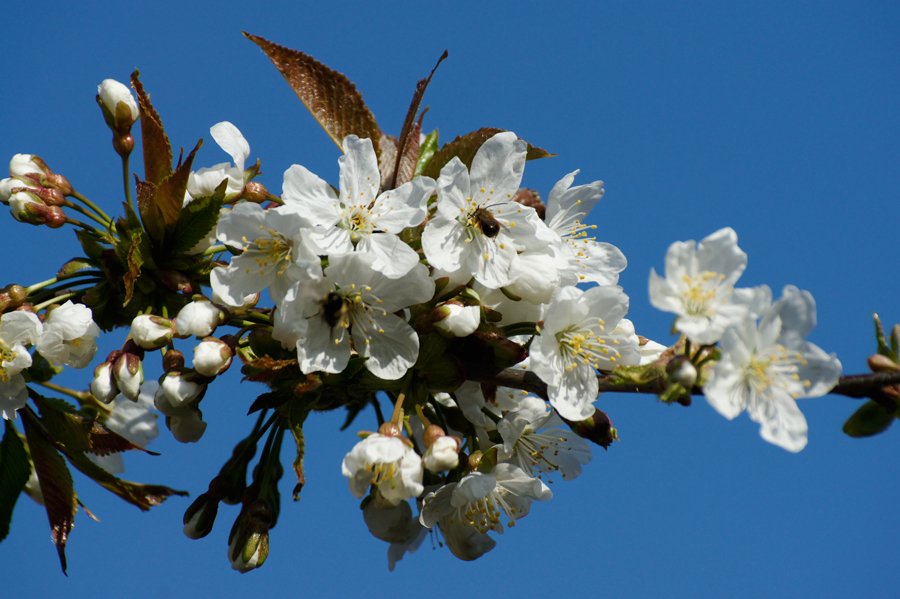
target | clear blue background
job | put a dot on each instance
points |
(778, 119)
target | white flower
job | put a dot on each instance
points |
(699, 287)
(578, 337)
(479, 499)
(278, 253)
(205, 181)
(360, 219)
(386, 462)
(460, 321)
(478, 226)
(112, 92)
(16, 329)
(133, 420)
(200, 318)
(151, 332)
(69, 336)
(358, 302)
(184, 420)
(589, 261)
(552, 450)
(179, 390)
(765, 369)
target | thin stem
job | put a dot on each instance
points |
(54, 300)
(125, 180)
(398, 406)
(91, 205)
(87, 213)
(79, 395)
(86, 227)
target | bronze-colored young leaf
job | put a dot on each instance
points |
(466, 146)
(297, 414)
(14, 472)
(73, 266)
(77, 433)
(387, 149)
(872, 418)
(157, 150)
(408, 137)
(134, 261)
(197, 219)
(328, 95)
(166, 204)
(55, 481)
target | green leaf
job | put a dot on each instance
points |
(197, 219)
(75, 265)
(329, 96)
(157, 149)
(869, 420)
(91, 245)
(55, 479)
(426, 151)
(466, 146)
(14, 472)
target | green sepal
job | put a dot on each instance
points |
(870, 419)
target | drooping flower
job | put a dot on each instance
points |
(17, 329)
(389, 464)
(478, 226)
(69, 335)
(699, 287)
(205, 181)
(134, 420)
(360, 219)
(578, 338)
(765, 369)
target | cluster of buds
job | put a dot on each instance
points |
(34, 193)
(121, 372)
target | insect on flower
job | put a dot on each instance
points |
(334, 308)
(484, 220)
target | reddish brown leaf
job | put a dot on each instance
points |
(328, 95)
(387, 159)
(531, 198)
(406, 139)
(160, 209)
(406, 165)
(157, 150)
(55, 481)
(134, 260)
(466, 146)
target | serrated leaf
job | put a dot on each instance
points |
(466, 146)
(868, 420)
(387, 150)
(14, 473)
(134, 259)
(409, 134)
(75, 265)
(329, 96)
(56, 484)
(91, 245)
(77, 433)
(197, 219)
(160, 204)
(272, 399)
(426, 151)
(157, 149)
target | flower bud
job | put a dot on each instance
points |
(27, 207)
(103, 386)
(200, 318)
(152, 332)
(432, 433)
(173, 361)
(457, 320)
(187, 426)
(212, 357)
(119, 107)
(12, 296)
(881, 363)
(56, 217)
(443, 454)
(682, 371)
(179, 388)
(201, 515)
(256, 192)
(27, 164)
(129, 375)
(597, 429)
(10, 185)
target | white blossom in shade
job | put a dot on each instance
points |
(200, 318)
(277, 253)
(479, 499)
(537, 275)
(33, 487)
(17, 329)
(69, 336)
(134, 420)
(184, 421)
(128, 372)
(212, 357)
(357, 302)
(237, 558)
(443, 455)
(764, 369)
(397, 526)
(478, 226)
(179, 389)
(650, 350)
(359, 218)
(589, 261)
(103, 385)
(205, 181)
(530, 442)
(112, 92)
(389, 464)
(459, 320)
(151, 332)
(699, 287)
(511, 311)
(579, 337)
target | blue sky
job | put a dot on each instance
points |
(778, 119)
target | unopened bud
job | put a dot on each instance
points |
(881, 363)
(457, 320)
(597, 429)
(443, 454)
(390, 429)
(212, 357)
(27, 164)
(173, 361)
(103, 386)
(128, 372)
(120, 110)
(256, 192)
(682, 371)
(27, 207)
(431, 434)
(56, 217)
(152, 332)
(201, 515)
(11, 297)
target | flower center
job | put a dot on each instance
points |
(271, 252)
(776, 371)
(701, 292)
(358, 221)
(7, 354)
(582, 344)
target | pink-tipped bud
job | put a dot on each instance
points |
(256, 192)
(390, 429)
(881, 363)
(431, 434)
(56, 217)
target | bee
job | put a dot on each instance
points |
(334, 308)
(485, 221)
